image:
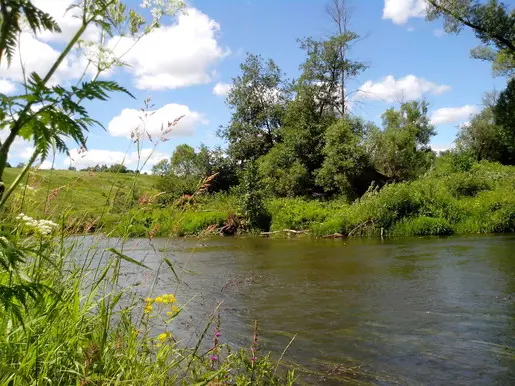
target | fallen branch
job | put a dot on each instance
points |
(360, 226)
(291, 231)
(335, 236)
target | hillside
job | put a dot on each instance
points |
(62, 191)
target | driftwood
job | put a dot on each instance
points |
(290, 231)
(361, 226)
(335, 236)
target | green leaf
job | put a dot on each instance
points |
(127, 258)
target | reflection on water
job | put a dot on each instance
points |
(408, 311)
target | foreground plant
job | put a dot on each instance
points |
(66, 319)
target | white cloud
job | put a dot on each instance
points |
(94, 157)
(174, 56)
(399, 11)
(130, 121)
(39, 57)
(390, 89)
(68, 20)
(6, 87)
(453, 114)
(46, 165)
(222, 89)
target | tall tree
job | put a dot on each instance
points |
(257, 99)
(492, 22)
(401, 150)
(340, 14)
(504, 113)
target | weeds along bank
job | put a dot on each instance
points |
(481, 200)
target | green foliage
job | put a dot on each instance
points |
(162, 168)
(257, 99)
(281, 174)
(344, 157)
(504, 112)
(13, 13)
(422, 226)
(401, 150)
(491, 21)
(297, 213)
(252, 205)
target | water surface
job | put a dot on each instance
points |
(403, 311)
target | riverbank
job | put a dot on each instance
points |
(481, 200)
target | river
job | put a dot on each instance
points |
(364, 311)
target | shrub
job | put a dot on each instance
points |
(422, 226)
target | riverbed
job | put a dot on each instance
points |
(363, 311)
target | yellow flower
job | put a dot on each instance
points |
(175, 308)
(164, 336)
(171, 298)
(159, 299)
(149, 300)
(148, 309)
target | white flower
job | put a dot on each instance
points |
(42, 227)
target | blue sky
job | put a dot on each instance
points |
(180, 65)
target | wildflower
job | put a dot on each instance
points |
(175, 308)
(214, 357)
(148, 309)
(159, 299)
(164, 336)
(171, 298)
(149, 300)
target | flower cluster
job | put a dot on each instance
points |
(42, 227)
(160, 8)
(166, 299)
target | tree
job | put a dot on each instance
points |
(401, 150)
(340, 14)
(72, 168)
(345, 157)
(504, 113)
(257, 98)
(162, 168)
(490, 135)
(492, 22)
(185, 162)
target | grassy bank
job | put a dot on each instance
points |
(70, 321)
(481, 200)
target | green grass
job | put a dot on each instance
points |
(481, 200)
(66, 323)
(80, 192)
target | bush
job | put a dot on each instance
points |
(422, 226)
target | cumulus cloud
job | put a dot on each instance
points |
(174, 56)
(222, 89)
(390, 89)
(453, 114)
(130, 121)
(399, 11)
(441, 148)
(39, 57)
(93, 157)
(6, 87)
(68, 20)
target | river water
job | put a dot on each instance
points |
(367, 311)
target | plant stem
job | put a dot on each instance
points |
(21, 121)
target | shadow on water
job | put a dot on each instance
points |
(398, 311)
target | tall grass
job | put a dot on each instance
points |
(67, 319)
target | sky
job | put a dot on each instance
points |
(186, 67)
